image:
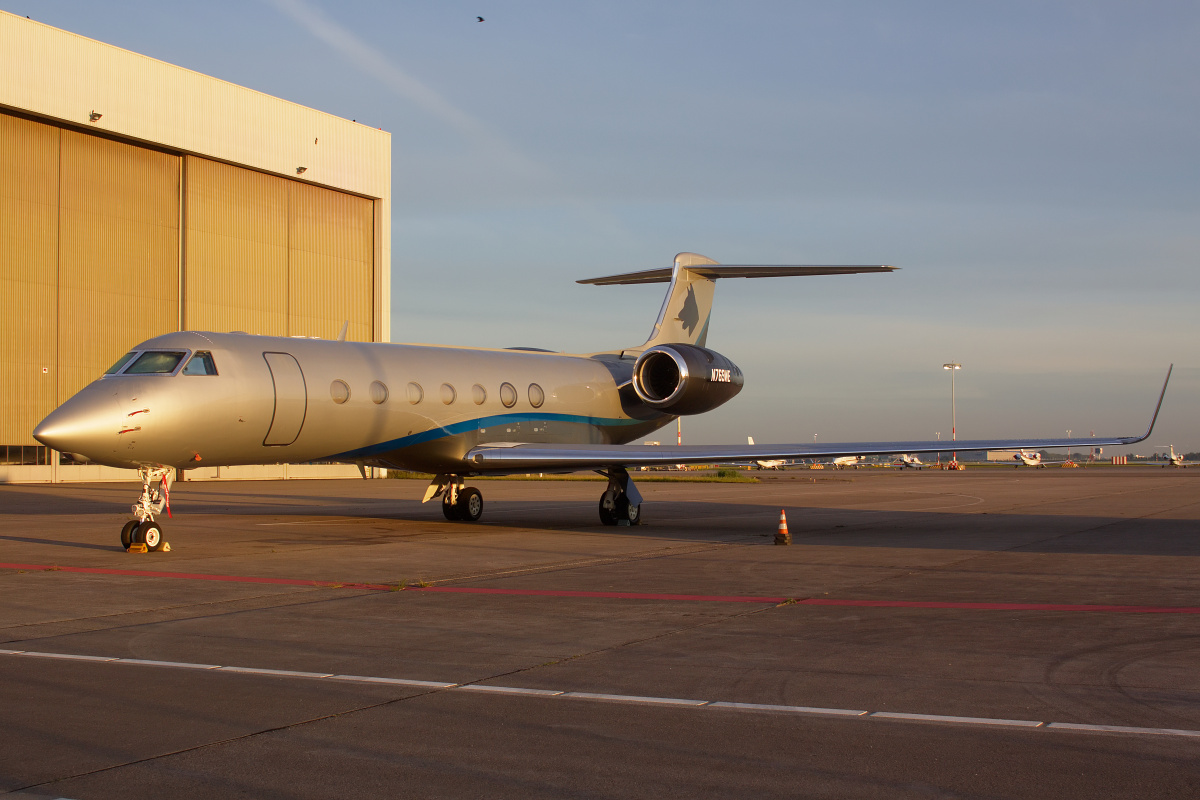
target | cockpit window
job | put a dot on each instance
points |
(201, 364)
(122, 361)
(155, 363)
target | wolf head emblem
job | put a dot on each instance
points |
(689, 314)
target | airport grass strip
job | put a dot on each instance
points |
(618, 698)
(692, 598)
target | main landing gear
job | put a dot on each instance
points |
(460, 503)
(621, 503)
(143, 529)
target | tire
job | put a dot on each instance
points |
(449, 510)
(151, 535)
(127, 533)
(469, 505)
(607, 515)
(628, 511)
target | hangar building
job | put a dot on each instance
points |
(139, 198)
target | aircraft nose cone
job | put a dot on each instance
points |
(84, 424)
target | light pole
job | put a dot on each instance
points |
(939, 435)
(953, 366)
(1068, 446)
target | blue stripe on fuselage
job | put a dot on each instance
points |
(469, 425)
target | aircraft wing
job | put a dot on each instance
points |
(508, 457)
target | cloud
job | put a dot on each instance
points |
(378, 66)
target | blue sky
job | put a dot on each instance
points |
(1031, 166)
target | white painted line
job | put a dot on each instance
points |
(65, 656)
(836, 712)
(479, 687)
(180, 664)
(1022, 723)
(284, 673)
(1072, 726)
(394, 681)
(629, 698)
(625, 698)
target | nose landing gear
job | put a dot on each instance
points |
(143, 529)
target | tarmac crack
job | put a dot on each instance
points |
(229, 740)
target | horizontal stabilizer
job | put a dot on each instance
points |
(714, 271)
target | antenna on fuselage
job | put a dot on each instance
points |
(345, 330)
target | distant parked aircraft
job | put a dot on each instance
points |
(767, 463)
(904, 460)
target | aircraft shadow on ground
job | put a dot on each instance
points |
(377, 520)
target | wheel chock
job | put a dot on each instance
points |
(138, 547)
(166, 548)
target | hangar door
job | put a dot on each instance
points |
(89, 263)
(274, 256)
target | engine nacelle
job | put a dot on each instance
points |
(685, 379)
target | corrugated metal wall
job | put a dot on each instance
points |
(329, 257)
(302, 255)
(118, 253)
(28, 238)
(237, 218)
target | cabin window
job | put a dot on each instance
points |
(415, 393)
(448, 394)
(508, 395)
(478, 394)
(379, 392)
(536, 395)
(339, 391)
(155, 362)
(122, 361)
(201, 364)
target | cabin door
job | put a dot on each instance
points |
(291, 399)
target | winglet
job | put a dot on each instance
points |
(1158, 407)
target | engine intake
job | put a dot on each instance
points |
(685, 379)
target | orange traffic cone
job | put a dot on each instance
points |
(782, 536)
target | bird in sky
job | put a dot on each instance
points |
(479, 19)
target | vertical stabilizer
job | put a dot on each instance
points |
(686, 310)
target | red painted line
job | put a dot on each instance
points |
(811, 601)
(603, 595)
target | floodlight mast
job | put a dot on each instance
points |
(953, 366)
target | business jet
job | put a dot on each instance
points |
(767, 463)
(1175, 459)
(905, 461)
(1029, 458)
(222, 399)
(1032, 458)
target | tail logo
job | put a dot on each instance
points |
(689, 315)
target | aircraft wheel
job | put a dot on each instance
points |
(628, 511)
(470, 504)
(608, 515)
(127, 533)
(150, 534)
(449, 510)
